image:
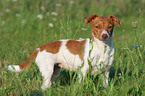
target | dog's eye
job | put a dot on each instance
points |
(96, 26)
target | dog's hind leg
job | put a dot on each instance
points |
(47, 72)
(46, 69)
(45, 62)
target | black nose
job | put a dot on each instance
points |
(105, 36)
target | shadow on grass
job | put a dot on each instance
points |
(66, 77)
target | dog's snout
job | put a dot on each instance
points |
(104, 36)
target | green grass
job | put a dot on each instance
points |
(21, 32)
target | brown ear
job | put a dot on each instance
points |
(89, 19)
(114, 20)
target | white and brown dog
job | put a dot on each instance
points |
(74, 54)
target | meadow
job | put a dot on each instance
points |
(27, 24)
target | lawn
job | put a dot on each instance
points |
(27, 24)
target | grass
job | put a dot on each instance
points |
(22, 31)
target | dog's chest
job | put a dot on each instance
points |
(100, 54)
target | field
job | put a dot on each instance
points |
(27, 24)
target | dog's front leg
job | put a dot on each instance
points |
(107, 69)
(105, 77)
(83, 72)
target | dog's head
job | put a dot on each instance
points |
(102, 27)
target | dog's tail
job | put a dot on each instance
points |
(27, 64)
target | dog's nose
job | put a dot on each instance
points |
(104, 36)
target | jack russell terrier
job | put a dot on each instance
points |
(74, 54)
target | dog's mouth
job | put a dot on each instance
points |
(104, 39)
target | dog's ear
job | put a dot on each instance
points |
(89, 19)
(114, 20)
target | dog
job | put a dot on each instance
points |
(74, 54)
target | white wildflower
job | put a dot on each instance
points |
(23, 21)
(17, 15)
(42, 8)
(54, 13)
(50, 25)
(71, 2)
(40, 16)
(58, 5)
(84, 29)
(135, 24)
(3, 22)
(119, 75)
(7, 10)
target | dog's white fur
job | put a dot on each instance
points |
(46, 61)
(101, 56)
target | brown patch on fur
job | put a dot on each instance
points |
(76, 47)
(114, 20)
(29, 60)
(89, 19)
(52, 47)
